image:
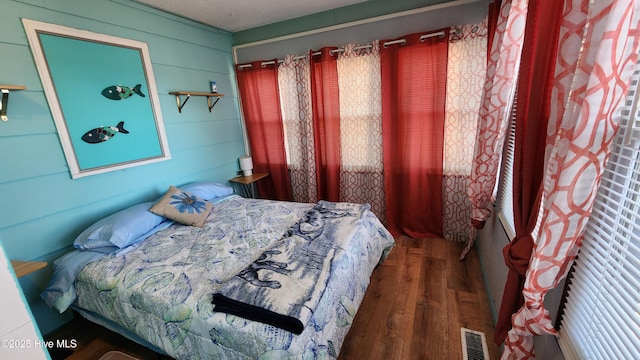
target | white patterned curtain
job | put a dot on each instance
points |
(359, 79)
(466, 68)
(295, 100)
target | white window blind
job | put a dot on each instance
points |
(632, 131)
(505, 194)
(602, 314)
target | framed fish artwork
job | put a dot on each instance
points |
(102, 95)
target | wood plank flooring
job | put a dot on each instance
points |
(415, 305)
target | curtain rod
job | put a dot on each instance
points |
(424, 9)
(339, 50)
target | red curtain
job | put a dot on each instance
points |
(414, 76)
(535, 83)
(258, 86)
(325, 103)
(492, 23)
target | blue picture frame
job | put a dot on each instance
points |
(102, 95)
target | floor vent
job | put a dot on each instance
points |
(474, 345)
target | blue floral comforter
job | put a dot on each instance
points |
(162, 289)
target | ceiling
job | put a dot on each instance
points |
(237, 15)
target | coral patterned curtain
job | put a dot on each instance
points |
(502, 71)
(414, 76)
(500, 83)
(532, 116)
(466, 67)
(258, 85)
(592, 78)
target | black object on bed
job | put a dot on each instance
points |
(255, 313)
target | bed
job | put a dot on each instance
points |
(289, 277)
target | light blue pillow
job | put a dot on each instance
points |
(207, 190)
(121, 229)
(60, 292)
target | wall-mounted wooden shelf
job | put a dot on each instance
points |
(5, 89)
(13, 87)
(22, 268)
(189, 94)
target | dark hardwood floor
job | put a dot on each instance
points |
(415, 305)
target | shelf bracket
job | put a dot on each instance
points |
(3, 104)
(181, 105)
(209, 104)
(5, 89)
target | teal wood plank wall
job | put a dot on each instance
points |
(43, 209)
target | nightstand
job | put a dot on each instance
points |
(22, 268)
(248, 181)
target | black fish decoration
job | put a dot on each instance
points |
(103, 133)
(120, 92)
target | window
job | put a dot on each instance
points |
(602, 313)
(505, 192)
(360, 112)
